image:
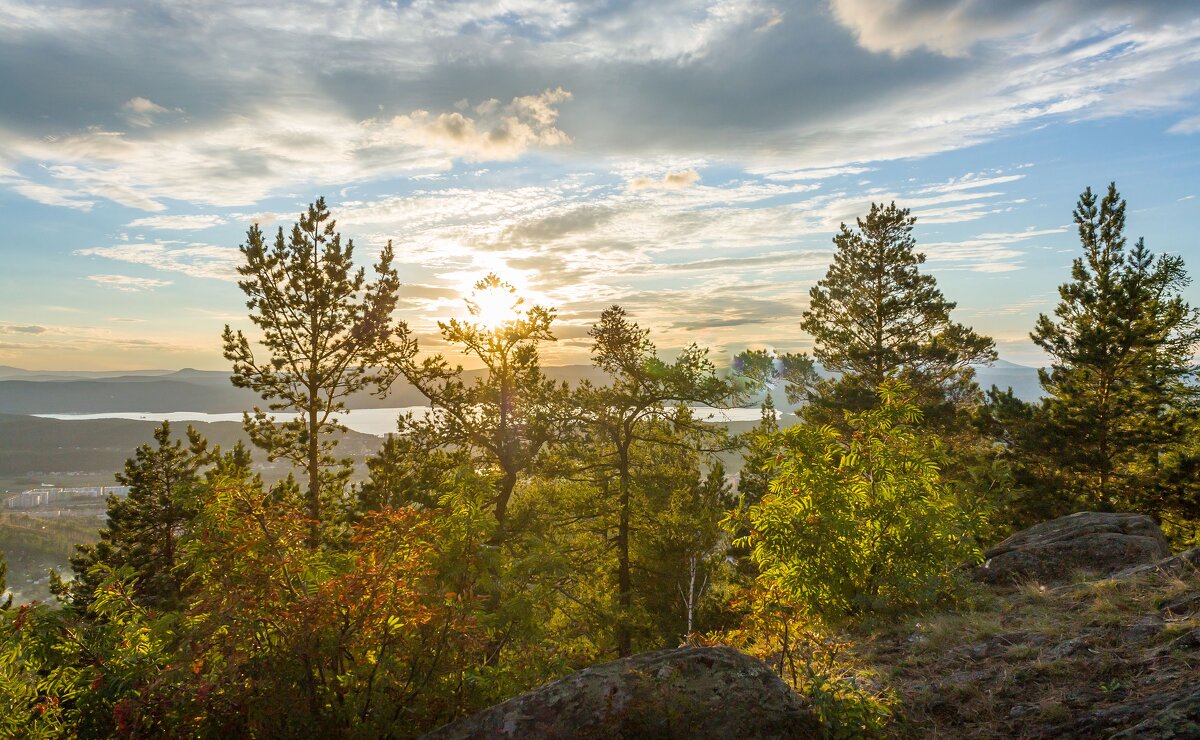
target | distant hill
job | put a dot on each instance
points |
(30, 392)
(7, 371)
(33, 445)
(1023, 380)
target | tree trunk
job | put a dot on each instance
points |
(624, 579)
(314, 481)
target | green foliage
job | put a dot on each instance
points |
(860, 521)
(328, 334)
(810, 659)
(65, 676)
(755, 479)
(410, 470)
(7, 602)
(1121, 393)
(285, 640)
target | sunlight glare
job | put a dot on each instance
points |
(495, 306)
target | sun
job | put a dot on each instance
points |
(494, 304)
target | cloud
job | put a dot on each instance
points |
(192, 259)
(141, 112)
(498, 132)
(177, 223)
(244, 158)
(127, 283)
(820, 173)
(17, 329)
(988, 252)
(47, 194)
(1186, 126)
(669, 181)
(688, 77)
(953, 27)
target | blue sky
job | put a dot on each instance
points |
(689, 159)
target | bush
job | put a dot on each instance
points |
(859, 521)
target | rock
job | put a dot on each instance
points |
(1094, 543)
(1179, 719)
(1186, 641)
(1143, 630)
(1068, 648)
(1187, 561)
(993, 646)
(694, 693)
(1181, 606)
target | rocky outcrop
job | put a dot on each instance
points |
(1088, 543)
(693, 693)
(1113, 657)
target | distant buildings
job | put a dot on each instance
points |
(39, 497)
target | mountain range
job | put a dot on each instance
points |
(155, 391)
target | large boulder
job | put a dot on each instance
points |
(693, 693)
(1091, 543)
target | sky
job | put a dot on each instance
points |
(690, 160)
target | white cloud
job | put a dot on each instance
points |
(141, 112)
(954, 27)
(669, 181)
(498, 132)
(819, 173)
(242, 159)
(191, 259)
(1186, 126)
(177, 223)
(127, 283)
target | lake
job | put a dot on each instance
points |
(378, 422)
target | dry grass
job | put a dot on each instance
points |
(1034, 661)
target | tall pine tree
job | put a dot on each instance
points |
(1120, 392)
(875, 315)
(638, 410)
(328, 334)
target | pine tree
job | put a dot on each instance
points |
(1120, 393)
(875, 315)
(504, 418)
(498, 425)
(143, 529)
(328, 334)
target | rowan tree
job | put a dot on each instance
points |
(327, 334)
(859, 520)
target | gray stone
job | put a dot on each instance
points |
(693, 693)
(1182, 564)
(1091, 543)
(1181, 606)
(1179, 719)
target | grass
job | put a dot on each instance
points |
(1034, 660)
